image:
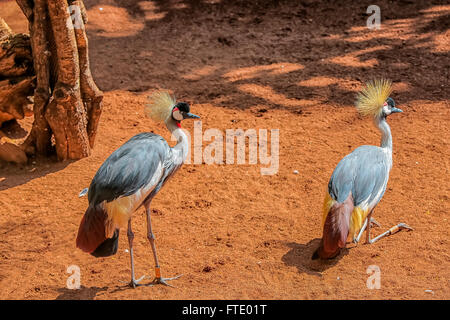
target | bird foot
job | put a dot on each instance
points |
(399, 227)
(134, 283)
(402, 226)
(163, 281)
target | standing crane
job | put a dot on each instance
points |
(359, 180)
(129, 178)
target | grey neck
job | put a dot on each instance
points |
(386, 136)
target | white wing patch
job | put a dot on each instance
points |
(83, 192)
(377, 197)
(364, 204)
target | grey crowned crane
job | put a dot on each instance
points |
(359, 180)
(129, 178)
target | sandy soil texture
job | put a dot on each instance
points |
(233, 233)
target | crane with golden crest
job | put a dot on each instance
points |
(359, 180)
(129, 179)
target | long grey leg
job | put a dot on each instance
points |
(368, 229)
(356, 240)
(372, 220)
(151, 238)
(392, 230)
(130, 235)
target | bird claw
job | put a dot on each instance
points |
(163, 281)
(134, 283)
(402, 226)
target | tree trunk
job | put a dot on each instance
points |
(67, 103)
(16, 74)
(16, 85)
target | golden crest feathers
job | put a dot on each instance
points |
(160, 105)
(372, 97)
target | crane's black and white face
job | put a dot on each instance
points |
(181, 112)
(389, 107)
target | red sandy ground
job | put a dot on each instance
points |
(231, 232)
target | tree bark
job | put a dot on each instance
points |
(91, 95)
(39, 139)
(67, 103)
(16, 74)
(16, 85)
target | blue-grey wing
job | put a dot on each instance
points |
(371, 178)
(341, 181)
(364, 172)
(129, 168)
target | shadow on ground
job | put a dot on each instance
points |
(300, 255)
(12, 175)
(79, 294)
(280, 54)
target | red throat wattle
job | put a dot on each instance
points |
(178, 124)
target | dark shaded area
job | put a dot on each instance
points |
(300, 257)
(12, 175)
(187, 36)
(195, 48)
(13, 129)
(83, 293)
(108, 247)
(437, 25)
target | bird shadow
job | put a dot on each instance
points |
(83, 293)
(126, 285)
(300, 257)
(123, 287)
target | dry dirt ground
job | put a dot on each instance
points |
(231, 232)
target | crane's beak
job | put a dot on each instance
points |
(191, 116)
(396, 110)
